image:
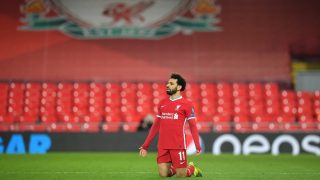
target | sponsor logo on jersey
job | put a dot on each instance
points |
(139, 19)
(170, 116)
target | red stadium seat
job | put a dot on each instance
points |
(65, 127)
(204, 127)
(256, 91)
(241, 109)
(41, 127)
(58, 127)
(285, 119)
(221, 118)
(208, 110)
(242, 127)
(289, 127)
(271, 90)
(74, 127)
(112, 118)
(307, 126)
(224, 90)
(23, 127)
(256, 107)
(46, 115)
(111, 127)
(91, 127)
(130, 126)
(8, 119)
(27, 118)
(208, 90)
(204, 123)
(221, 127)
(265, 127)
(240, 90)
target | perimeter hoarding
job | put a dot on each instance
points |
(237, 144)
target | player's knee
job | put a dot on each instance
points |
(163, 174)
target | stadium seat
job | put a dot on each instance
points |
(111, 127)
(48, 118)
(241, 118)
(242, 127)
(74, 127)
(208, 110)
(309, 126)
(240, 109)
(240, 91)
(271, 90)
(221, 123)
(256, 106)
(221, 118)
(208, 90)
(255, 91)
(27, 118)
(289, 127)
(58, 127)
(221, 127)
(40, 127)
(204, 127)
(224, 90)
(265, 127)
(66, 127)
(25, 127)
(204, 123)
(91, 127)
(8, 119)
(130, 126)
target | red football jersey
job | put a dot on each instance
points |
(173, 116)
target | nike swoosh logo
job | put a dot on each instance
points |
(182, 162)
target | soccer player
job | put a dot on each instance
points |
(173, 114)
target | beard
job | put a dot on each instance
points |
(172, 91)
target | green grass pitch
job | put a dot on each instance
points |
(130, 166)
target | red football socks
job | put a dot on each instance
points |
(172, 171)
(190, 171)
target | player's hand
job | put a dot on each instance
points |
(143, 152)
(198, 152)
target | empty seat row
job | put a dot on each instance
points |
(36, 103)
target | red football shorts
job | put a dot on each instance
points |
(178, 157)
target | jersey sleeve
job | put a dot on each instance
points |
(152, 133)
(195, 133)
(190, 113)
(191, 117)
(154, 129)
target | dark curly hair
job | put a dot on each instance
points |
(180, 80)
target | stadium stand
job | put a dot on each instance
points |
(113, 107)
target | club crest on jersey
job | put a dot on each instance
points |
(139, 19)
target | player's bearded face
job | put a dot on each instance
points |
(172, 87)
(172, 91)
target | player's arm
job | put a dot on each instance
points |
(195, 134)
(152, 133)
(193, 127)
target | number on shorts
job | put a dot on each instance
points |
(181, 156)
